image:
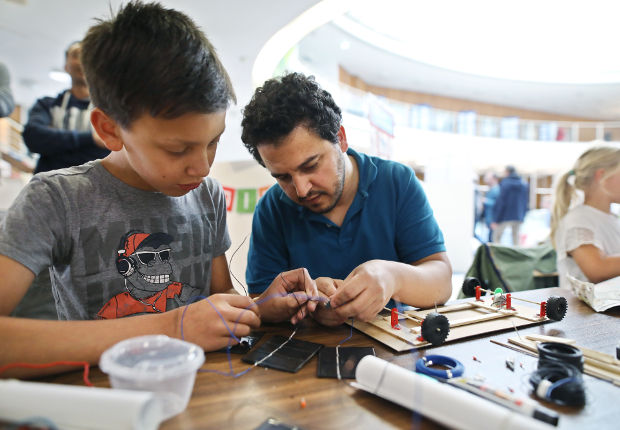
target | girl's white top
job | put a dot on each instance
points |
(584, 225)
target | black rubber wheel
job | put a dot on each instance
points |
(469, 286)
(435, 328)
(556, 308)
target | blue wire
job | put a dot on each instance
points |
(232, 335)
(455, 367)
(350, 335)
(559, 383)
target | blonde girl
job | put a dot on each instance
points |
(586, 236)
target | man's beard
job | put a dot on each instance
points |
(338, 187)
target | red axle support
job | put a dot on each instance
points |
(394, 318)
(478, 292)
(543, 309)
(508, 302)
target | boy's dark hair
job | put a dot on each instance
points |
(148, 59)
(282, 104)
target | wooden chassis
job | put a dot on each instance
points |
(470, 318)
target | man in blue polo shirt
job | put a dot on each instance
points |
(361, 225)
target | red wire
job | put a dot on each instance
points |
(52, 364)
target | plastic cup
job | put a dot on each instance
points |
(156, 363)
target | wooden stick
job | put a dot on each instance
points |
(589, 353)
(514, 348)
(543, 338)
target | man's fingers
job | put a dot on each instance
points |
(347, 292)
(326, 286)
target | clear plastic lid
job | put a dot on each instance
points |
(156, 357)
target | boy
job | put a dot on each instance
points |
(143, 231)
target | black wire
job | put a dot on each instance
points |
(566, 383)
(230, 265)
(557, 351)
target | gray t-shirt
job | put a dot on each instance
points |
(114, 250)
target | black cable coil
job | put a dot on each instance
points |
(556, 351)
(559, 375)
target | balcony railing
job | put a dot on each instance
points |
(426, 117)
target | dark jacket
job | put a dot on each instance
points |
(512, 201)
(59, 130)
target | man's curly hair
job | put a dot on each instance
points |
(282, 104)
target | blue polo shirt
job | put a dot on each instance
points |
(389, 219)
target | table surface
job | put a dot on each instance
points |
(220, 401)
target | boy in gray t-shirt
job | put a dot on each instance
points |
(142, 232)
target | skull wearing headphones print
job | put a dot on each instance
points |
(144, 262)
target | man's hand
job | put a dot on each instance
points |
(325, 314)
(211, 328)
(291, 295)
(365, 292)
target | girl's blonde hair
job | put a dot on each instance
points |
(598, 157)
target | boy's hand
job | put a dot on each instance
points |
(291, 295)
(324, 313)
(204, 326)
(364, 293)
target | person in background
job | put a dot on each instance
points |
(510, 206)
(586, 235)
(361, 225)
(59, 128)
(7, 104)
(492, 181)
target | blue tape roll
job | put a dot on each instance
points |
(455, 367)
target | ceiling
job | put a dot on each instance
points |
(553, 56)
(35, 33)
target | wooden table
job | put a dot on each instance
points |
(223, 402)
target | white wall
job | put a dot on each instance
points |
(240, 174)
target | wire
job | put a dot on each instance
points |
(454, 367)
(557, 351)
(231, 331)
(559, 382)
(230, 265)
(338, 352)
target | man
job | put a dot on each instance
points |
(361, 225)
(7, 104)
(511, 205)
(491, 179)
(59, 128)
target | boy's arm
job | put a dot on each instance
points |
(220, 276)
(41, 341)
